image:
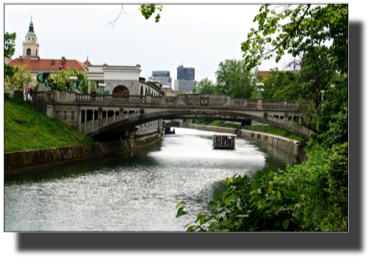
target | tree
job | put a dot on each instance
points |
(9, 50)
(204, 86)
(305, 35)
(280, 85)
(57, 81)
(21, 75)
(148, 10)
(235, 79)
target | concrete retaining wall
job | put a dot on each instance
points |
(22, 160)
(290, 146)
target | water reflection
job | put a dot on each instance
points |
(133, 191)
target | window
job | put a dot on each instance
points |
(36, 53)
(28, 52)
(120, 90)
(141, 91)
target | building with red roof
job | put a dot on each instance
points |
(263, 73)
(33, 63)
(7, 60)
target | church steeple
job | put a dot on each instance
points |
(30, 45)
(31, 25)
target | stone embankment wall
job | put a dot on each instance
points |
(22, 160)
(290, 146)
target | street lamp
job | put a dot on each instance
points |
(260, 89)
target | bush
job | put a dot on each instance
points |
(312, 196)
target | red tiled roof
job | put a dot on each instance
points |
(263, 73)
(87, 63)
(46, 64)
(7, 60)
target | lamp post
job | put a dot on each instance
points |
(260, 89)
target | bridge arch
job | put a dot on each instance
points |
(128, 124)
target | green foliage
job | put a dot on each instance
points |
(57, 81)
(280, 85)
(222, 124)
(25, 128)
(332, 121)
(307, 197)
(9, 44)
(235, 79)
(201, 122)
(307, 30)
(204, 86)
(20, 75)
(9, 50)
(304, 37)
(147, 10)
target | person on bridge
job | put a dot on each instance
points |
(67, 84)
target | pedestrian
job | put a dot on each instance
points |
(67, 84)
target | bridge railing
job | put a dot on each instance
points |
(109, 98)
(169, 100)
(264, 104)
(275, 103)
(38, 94)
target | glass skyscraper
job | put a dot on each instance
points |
(185, 79)
(185, 73)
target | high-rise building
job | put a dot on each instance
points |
(163, 77)
(185, 79)
(185, 73)
(185, 85)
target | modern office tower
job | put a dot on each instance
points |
(185, 79)
(185, 85)
(185, 73)
(163, 77)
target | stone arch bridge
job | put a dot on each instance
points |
(101, 116)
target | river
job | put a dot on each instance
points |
(132, 191)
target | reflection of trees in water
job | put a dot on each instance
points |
(77, 168)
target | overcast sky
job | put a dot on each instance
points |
(198, 36)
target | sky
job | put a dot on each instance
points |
(198, 36)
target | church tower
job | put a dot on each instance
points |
(30, 46)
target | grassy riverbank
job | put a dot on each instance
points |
(25, 128)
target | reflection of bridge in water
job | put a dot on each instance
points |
(99, 116)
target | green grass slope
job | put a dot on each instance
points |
(25, 128)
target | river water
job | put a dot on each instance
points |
(132, 191)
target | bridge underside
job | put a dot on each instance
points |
(122, 127)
